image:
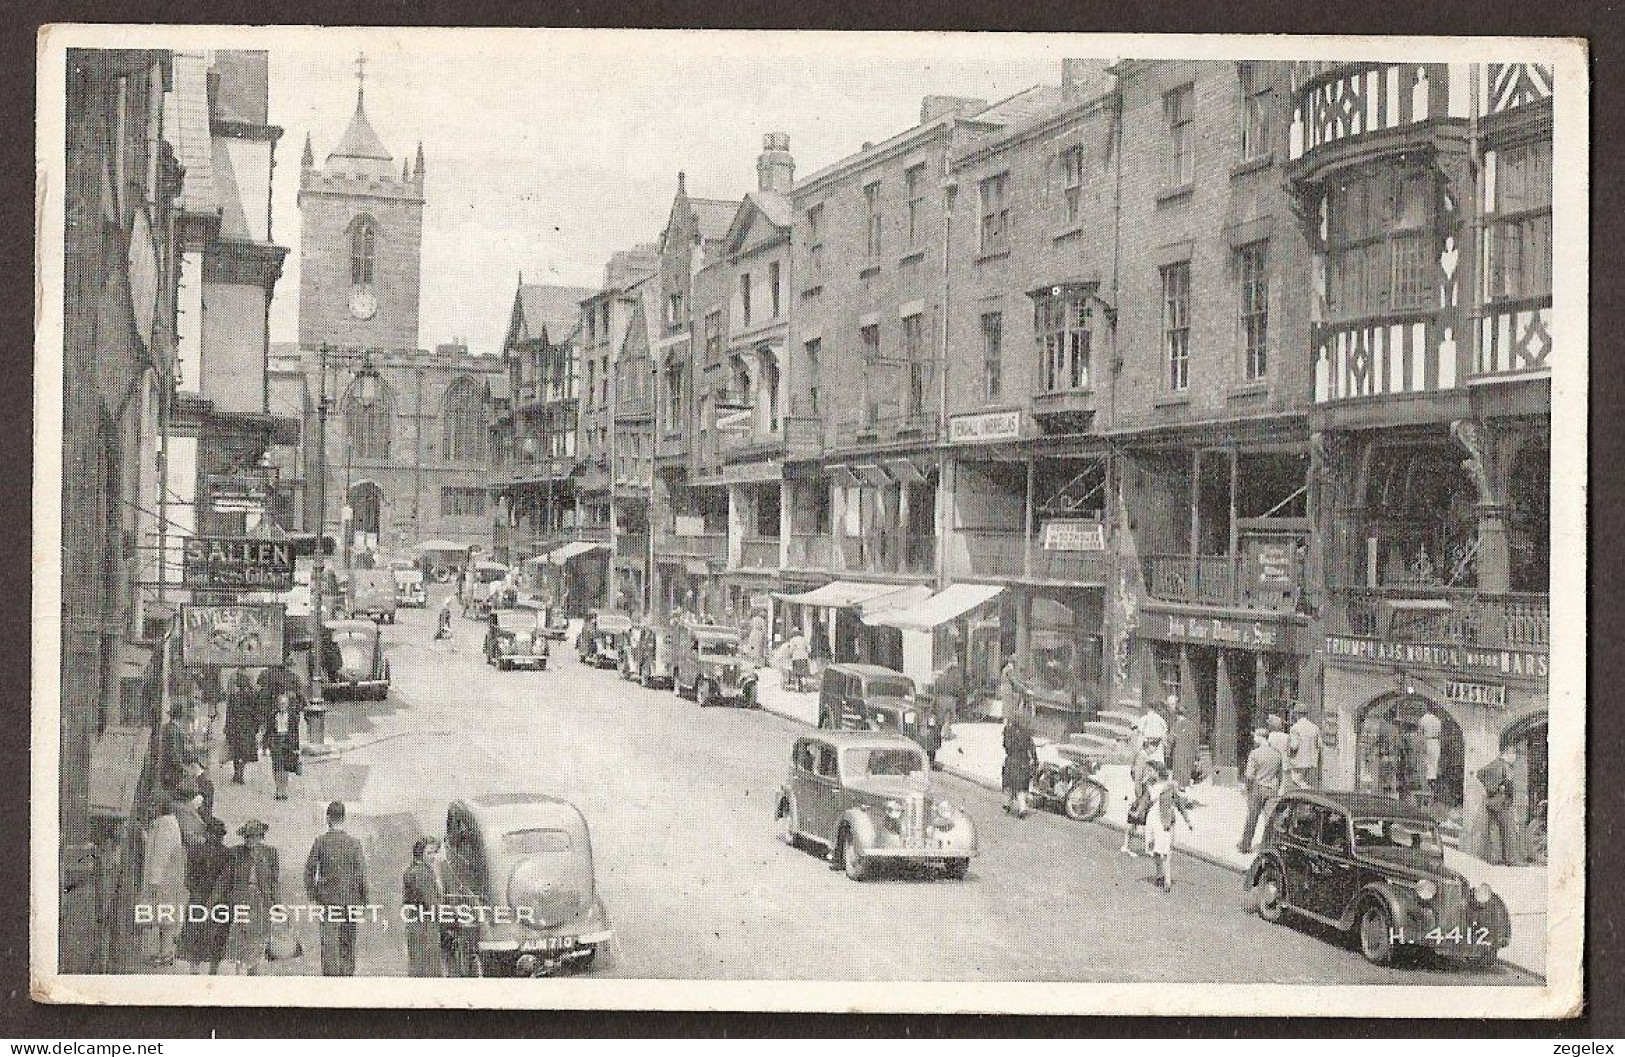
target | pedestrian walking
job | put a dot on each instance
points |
(1013, 692)
(163, 883)
(202, 942)
(1262, 777)
(799, 651)
(442, 624)
(244, 717)
(421, 892)
(282, 742)
(249, 884)
(336, 876)
(1432, 730)
(1167, 808)
(1503, 835)
(1150, 733)
(1181, 746)
(1307, 751)
(1020, 760)
(1279, 739)
(178, 767)
(201, 741)
(1141, 774)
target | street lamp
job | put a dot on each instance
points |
(366, 390)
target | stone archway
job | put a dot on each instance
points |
(366, 503)
(1393, 753)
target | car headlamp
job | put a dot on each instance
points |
(894, 809)
(1426, 890)
(526, 964)
(910, 716)
(1482, 893)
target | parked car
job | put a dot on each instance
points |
(520, 888)
(1374, 865)
(372, 594)
(646, 655)
(599, 643)
(514, 638)
(483, 585)
(868, 697)
(556, 623)
(867, 798)
(706, 664)
(409, 590)
(353, 659)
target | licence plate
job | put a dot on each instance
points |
(549, 943)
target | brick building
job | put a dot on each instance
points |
(119, 270)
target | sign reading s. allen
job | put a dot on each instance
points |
(219, 562)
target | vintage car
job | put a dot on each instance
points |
(372, 593)
(484, 588)
(514, 639)
(599, 643)
(867, 798)
(521, 899)
(868, 697)
(646, 655)
(409, 592)
(556, 623)
(1373, 865)
(353, 659)
(706, 664)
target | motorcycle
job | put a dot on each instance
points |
(1069, 787)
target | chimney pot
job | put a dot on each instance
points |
(775, 168)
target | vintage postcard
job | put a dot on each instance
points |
(810, 521)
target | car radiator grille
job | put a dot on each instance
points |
(1452, 904)
(913, 820)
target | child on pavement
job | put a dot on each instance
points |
(1167, 806)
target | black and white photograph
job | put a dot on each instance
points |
(810, 521)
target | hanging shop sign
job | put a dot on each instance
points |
(233, 636)
(238, 493)
(989, 425)
(1231, 632)
(1524, 664)
(1074, 534)
(1492, 694)
(231, 563)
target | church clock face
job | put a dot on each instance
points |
(363, 305)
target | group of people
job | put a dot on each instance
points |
(1281, 760)
(1164, 744)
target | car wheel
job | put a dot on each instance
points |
(957, 869)
(1376, 933)
(1269, 894)
(1085, 802)
(851, 857)
(788, 823)
(704, 694)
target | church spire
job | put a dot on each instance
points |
(417, 168)
(360, 79)
(309, 157)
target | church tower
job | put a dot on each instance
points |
(360, 246)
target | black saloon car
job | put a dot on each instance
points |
(1374, 866)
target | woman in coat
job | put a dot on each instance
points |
(245, 715)
(420, 890)
(282, 742)
(251, 879)
(1020, 760)
(203, 939)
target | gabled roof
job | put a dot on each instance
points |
(542, 308)
(360, 141)
(713, 216)
(771, 205)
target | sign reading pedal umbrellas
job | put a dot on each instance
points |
(232, 636)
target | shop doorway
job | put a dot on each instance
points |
(1528, 736)
(1242, 668)
(1204, 662)
(1394, 755)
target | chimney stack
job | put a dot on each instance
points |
(1080, 77)
(775, 168)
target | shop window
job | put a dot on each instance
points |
(1165, 658)
(1422, 521)
(1065, 652)
(1412, 750)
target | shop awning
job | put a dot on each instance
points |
(947, 604)
(573, 549)
(841, 594)
(892, 602)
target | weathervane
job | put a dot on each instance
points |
(360, 75)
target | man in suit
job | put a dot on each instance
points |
(336, 879)
(1502, 834)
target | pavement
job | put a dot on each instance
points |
(975, 753)
(681, 800)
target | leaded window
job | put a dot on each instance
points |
(463, 421)
(1063, 342)
(1519, 236)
